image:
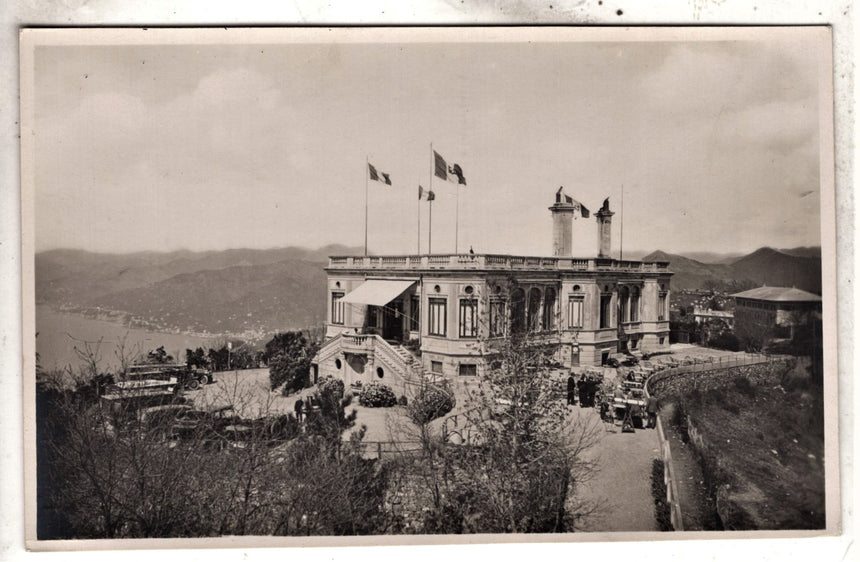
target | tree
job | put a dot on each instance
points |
(159, 356)
(196, 358)
(522, 460)
(289, 357)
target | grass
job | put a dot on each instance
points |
(764, 448)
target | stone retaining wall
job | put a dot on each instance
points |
(682, 383)
(731, 514)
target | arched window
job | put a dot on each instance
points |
(549, 309)
(518, 310)
(634, 305)
(623, 304)
(534, 317)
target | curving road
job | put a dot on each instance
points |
(621, 487)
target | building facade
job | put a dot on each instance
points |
(774, 310)
(401, 319)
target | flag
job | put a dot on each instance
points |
(441, 166)
(456, 170)
(583, 210)
(425, 194)
(374, 175)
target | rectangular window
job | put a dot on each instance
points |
(662, 340)
(414, 313)
(634, 308)
(468, 370)
(336, 308)
(436, 367)
(574, 311)
(661, 307)
(438, 317)
(497, 318)
(606, 311)
(468, 318)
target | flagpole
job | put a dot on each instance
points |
(419, 217)
(366, 164)
(430, 218)
(457, 223)
(621, 257)
(430, 231)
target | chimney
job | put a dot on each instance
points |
(562, 224)
(604, 230)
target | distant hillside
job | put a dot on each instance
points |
(201, 290)
(803, 252)
(259, 298)
(690, 274)
(765, 266)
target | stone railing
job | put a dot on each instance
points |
(493, 261)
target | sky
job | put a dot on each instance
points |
(715, 144)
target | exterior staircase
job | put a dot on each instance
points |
(408, 357)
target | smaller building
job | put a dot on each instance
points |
(777, 310)
(702, 316)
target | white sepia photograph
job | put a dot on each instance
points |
(399, 285)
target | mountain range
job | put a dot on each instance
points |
(797, 267)
(246, 291)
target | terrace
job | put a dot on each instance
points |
(493, 262)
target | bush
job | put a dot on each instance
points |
(744, 386)
(377, 395)
(432, 402)
(726, 340)
(331, 387)
(662, 510)
(402, 401)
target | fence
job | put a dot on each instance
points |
(670, 480)
(388, 449)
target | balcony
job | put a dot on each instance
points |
(492, 262)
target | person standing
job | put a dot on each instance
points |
(652, 406)
(571, 390)
(300, 406)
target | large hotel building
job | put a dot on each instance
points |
(398, 319)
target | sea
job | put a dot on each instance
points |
(58, 334)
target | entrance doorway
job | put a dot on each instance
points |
(392, 321)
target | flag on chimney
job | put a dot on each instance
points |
(583, 210)
(375, 176)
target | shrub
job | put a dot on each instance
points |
(402, 401)
(658, 491)
(377, 395)
(331, 387)
(744, 386)
(432, 402)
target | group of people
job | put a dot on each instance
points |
(585, 390)
(302, 407)
(582, 391)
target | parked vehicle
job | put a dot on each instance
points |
(182, 375)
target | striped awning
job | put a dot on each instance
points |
(378, 292)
